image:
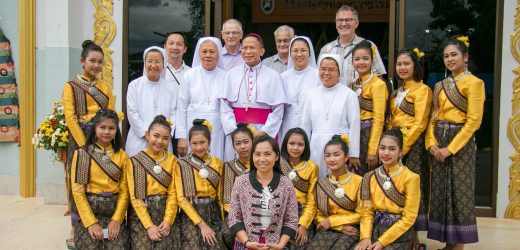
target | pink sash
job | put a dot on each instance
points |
(252, 115)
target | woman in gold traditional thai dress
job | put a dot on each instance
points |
(99, 186)
(242, 139)
(458, 106)
(390, 197)
(82, 97)
(410, 109)
(303, 173)
(152, 192)
(197, 181)
(337, 196)
(372, 95)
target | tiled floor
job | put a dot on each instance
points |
(30, 224)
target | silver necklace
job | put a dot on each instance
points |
(387, 184)
(90, 85)
(212, 83)
(327, 111)
(203, 172)
(340, 183)
(292, 175)
(157, 168)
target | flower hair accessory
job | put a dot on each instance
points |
(251, 128)
(345, 139)
(464, 39)
(418, 53)
(169, 122)
(404, 131)
(208, 125)
(120, 115)
(374, 49)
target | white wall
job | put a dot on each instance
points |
(506, 149)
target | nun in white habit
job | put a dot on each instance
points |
(199, 92)
(300, 77)
(148, 96)
(330, 109)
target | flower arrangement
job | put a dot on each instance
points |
(52, 134)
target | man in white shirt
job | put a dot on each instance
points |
(282, 37)
(175, 47)
(347, 22)
(232, 35)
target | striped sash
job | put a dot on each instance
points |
(143, 164)
(324, 191)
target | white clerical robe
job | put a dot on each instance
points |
(330, 111)
(298, 84)
(255, 95)
(145, 100)
(198, 99)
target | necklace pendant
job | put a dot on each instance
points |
(92, 90)
(387, 185)
(157, 169)
(292, 175)
(105, 159)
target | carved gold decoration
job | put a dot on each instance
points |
(104, 33)
(513, 126)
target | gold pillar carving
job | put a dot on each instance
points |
(104, 33)
(513, 126)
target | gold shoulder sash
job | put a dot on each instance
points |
(364, 193)
(324, 191)
(232, 169)
(143, 164)
(82, 167)
(188, 177)
(298, 182)
(392, 193)
(407, 107)
(80, 90)
(109, 167)
(365, 103)
(454, 95)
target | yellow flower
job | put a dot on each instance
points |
(64, 136)
(169, 122)
(345, 139)
(120, 115)
(464, 39)
(251, 128)
(208, 125)
(48, 132)
(418, 53)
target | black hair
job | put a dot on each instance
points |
(300, 39)
(175, 33)
(336, 140)
(306, 155)
(274, 146)
(459, 44)
(257, 37)
(157, 51)
(90, 133)
(199, 127)
(365, 44)
(242, 128)
(395, 133)
(160, 120)
(89, 45)
(418, 67)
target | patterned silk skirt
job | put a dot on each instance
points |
(452, 205)
(209, 210)
(103, 207)
(382, 222)
(417, 161)
(366, 129)
(331, 239)
(156, 206)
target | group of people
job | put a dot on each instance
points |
(285, 153)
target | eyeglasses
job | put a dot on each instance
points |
(231, 33)
(281, 41)
(345, 20)
(299, 51)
